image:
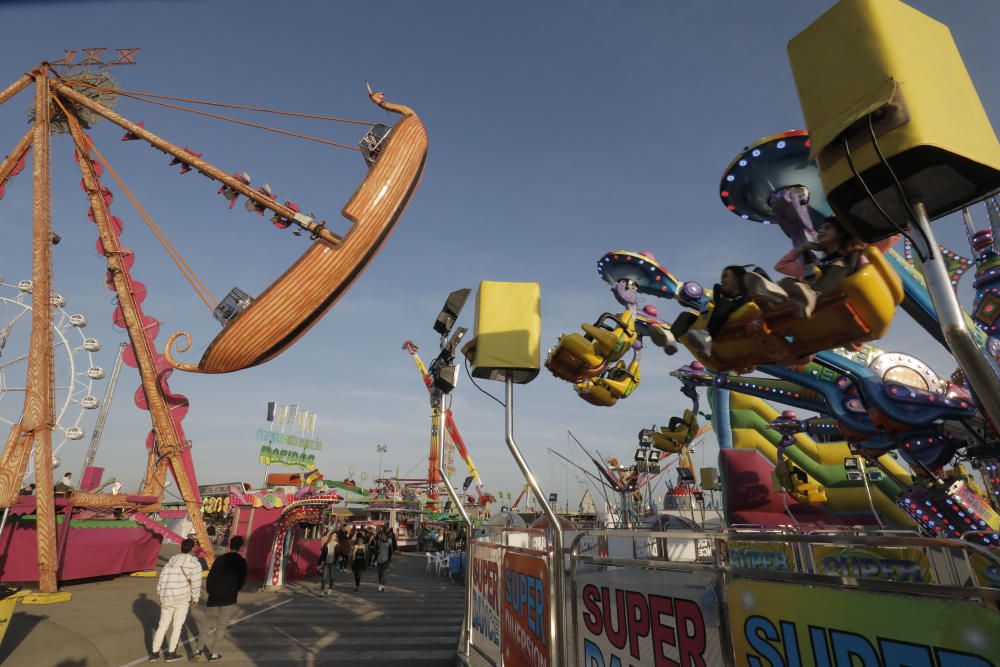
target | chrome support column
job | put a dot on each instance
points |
(980, 369)
(437, 423)
(557, 584)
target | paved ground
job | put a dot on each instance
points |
(415, 622)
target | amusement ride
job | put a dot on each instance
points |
(70, 99)
(881, 498)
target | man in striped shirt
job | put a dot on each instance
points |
(179, 588)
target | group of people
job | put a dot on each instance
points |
(62, 488)
(358, 549)
(805, 285)
(179, 590)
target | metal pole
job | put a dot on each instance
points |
(557, 586)
(868, 490)
(437, 426)
(980, 368)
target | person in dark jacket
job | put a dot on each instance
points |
(359, 559)
(225, 579)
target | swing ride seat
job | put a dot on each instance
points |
(795, 481)
(678, 433)
(309, 288)
(581, 357)
(615, 383)
(860, 311)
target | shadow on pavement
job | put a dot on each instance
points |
(21, 625)
(148, 613)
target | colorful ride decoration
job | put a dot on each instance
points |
(986, 306)
(794, 479)
(767, 167)
(276, 498)
(305, 510)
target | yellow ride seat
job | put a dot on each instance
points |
(860, 311)
(577, 358)
(612, 343)
(795, 481)
(680, 431)
(617, 382)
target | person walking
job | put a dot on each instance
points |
(179, 588)
(224, 582)
(343, 548)
(373, 548)
(384, 552)
(358, 562)
(327, 563)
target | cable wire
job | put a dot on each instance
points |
(135, 94)
(895, 225)
(476, 385)
(199, 286)
(899, 189)
(241, 122)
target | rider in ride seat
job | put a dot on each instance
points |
(841, 257)
(727, 297)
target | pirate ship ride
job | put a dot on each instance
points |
(255, 330)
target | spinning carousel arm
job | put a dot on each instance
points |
(317, 229)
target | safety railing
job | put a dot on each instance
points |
(624, 587)
(512, 600)
(729, 595)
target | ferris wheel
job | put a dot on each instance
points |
(75, 370)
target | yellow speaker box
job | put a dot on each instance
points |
(881, 67)
(508, 332)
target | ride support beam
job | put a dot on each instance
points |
(15, 155)
(305, 222)
(980, 368)
(16, 87)
(13, 463)
(39, 418)
(168, 446)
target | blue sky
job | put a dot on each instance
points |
(558, 131)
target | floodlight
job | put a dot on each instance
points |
(553, 497)
(851, 463)
(449, 313)
(646, 437)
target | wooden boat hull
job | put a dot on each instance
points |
(305, 292)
